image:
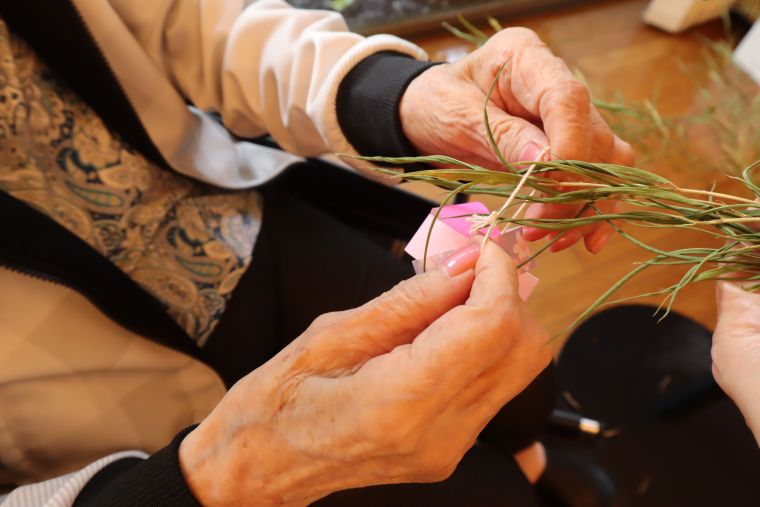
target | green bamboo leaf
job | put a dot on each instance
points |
(747, 178)
(474, 30)
(689, 277)
(477, 41)
(497, 27)
(607, 294)
(472, 176)
(489, 133)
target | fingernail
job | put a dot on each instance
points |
(461, 260)
(534, 233)
(530, 153)
(562, 243)
(597, 242)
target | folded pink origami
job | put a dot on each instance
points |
(452, 231)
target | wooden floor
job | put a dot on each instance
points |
(608, 42)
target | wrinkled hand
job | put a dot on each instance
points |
(736, 350)
(537, 102)
(394, 391)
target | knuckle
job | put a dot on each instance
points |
(523, 34)
(496, 327)
(409, 294)
(397, 305)
(576, 93)
(327, 326)
(605, 143)
(326, 320)
(569, 95)
(506, 133)
(503, 129)
(627, 154)
(437, 466)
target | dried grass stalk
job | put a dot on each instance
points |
(649, 200)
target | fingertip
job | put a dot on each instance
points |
(598, 239)
(535, 211)
(532, 152)
(493, 253)
(624, 153)
(534, 233)
(495, 275)
(462, 260)
(565, 242)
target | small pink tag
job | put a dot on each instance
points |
(452, 231)
(456, 216)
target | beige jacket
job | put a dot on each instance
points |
(75, 386)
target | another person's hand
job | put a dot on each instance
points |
(394, 391)
(538, 102)
(736, 350)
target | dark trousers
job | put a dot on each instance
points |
(325, 245)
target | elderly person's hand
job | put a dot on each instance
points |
(537, 102)
(736, 350)
(394, 391)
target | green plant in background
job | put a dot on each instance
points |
(472, 33)
(340, 5)
(729, 106)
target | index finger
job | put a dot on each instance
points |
(550, 91)
(544, 85)
(469, 339)
(495, 279)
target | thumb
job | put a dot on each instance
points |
(736, 350)
(349, 339)
(517, 139)
(469, 339)
(738, 310)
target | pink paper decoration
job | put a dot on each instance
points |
(452, 231)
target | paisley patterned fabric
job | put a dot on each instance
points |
(184, 242)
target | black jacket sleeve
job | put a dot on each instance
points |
(368, 103)
(156, 481)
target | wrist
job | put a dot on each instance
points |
(229, 468)
(247, 466)
(204, 465)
